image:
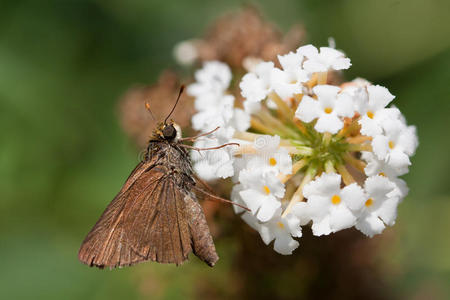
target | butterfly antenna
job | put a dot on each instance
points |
(147, 106)
(176, 102)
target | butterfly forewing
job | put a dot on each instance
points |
(154, 217)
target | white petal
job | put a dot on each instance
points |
(330, 54)
(252, 88)
(380, 146)
(378, 187)
(252, 199)
(204, 170)
(301, 210)
(313, 66)
(308, 51)
(291, 60)
(325, 185)
(268, 208)
(240, 120)
(225, 169)
(266, 233)
(329, 123)
(341, 63)
(308, 109)
(376, 166)
(388, 211)
(318, 206)
(236, 198)
(370, 225)
(341, 218)
(249, 178)
(293, 223)
(253, 222)
(369, 127)
(401, 189)
(353, 196)
(408, 140)
(379, 96)
(251, 107)
(321, 227)
(344, 106)
(326, 91)
(285, 245)
(284, 161)
(276, 187)
(398, 159)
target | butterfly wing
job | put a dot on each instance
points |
(151, 218)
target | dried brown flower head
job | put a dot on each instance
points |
(236, 36)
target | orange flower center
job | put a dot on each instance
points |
(391, 144)
(266, 189)
(369, 202)
(335, 199)
(272, 161)
(370, 114)
(328, 110)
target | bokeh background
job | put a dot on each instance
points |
(64, 65)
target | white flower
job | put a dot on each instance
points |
(376, 166)
(281, 229)
(327, 59)
(240, 120)
(380, 167)
(218, 115)
(185, 52)
(328, 108)
(213, 78)
(396, 144)
(372, 109)
(332, 208)
(212, 164)
(357, 90)
(256, 85)
(379, 207)
(261, 194)
(270, 156)
(288, 82)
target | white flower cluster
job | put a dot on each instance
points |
(215, 109)
(302, 141)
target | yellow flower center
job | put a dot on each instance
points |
(370, 114)
(382, 174)
(369, 202)
(328, 110)
(272, 161)
(266, 189)
(391, 144)
(335, 199)
(281, 225)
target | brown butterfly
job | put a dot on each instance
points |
(155, 216)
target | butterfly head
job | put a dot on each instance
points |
(169, 132)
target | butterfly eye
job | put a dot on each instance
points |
(169, 132)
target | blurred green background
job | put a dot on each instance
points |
(63, 156)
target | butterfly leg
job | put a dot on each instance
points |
(211, 148)
(193, 138)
